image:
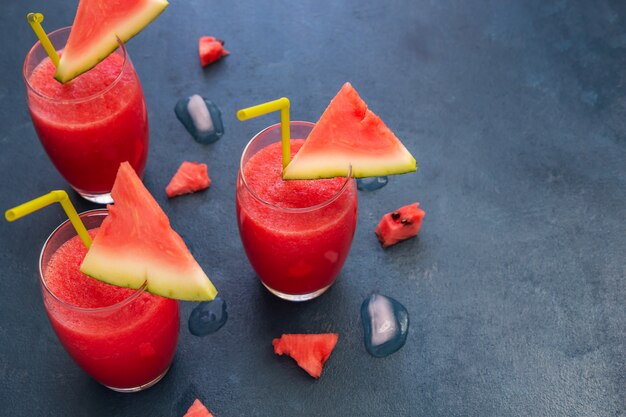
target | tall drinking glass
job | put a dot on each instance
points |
(91, 124)
(297, 234)
(125, 339)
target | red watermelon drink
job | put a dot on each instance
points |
(125, 339)
(297, 234)
(91, 124)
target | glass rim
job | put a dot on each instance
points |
(67, 305)
(97, 94)
(289, 209)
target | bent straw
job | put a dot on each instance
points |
(35, 20)
(281, 104)
(57, 196)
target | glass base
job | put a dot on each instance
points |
(97, 198)
(297, 297)
(141, 387)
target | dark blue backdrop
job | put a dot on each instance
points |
(516, 113)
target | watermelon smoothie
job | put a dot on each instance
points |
(91, 124)
(296, 234)
(125, 339)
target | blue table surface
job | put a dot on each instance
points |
(516, 113)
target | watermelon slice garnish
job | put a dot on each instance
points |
(136, 245)
(190, 177)
(198, 409)
(96, 27)
(349, 134)
(310, 351)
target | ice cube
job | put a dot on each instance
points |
(371, 184)
(385, 325)
(199, 113)
(201, 117)
(382, 320)
(208, 317)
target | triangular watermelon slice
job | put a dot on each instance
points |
(310, 351)
(198, 409)
(96, 27)
(349, 134)
(136, 244)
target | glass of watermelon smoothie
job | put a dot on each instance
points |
(125, 339)
(91, 124)
(297, 234)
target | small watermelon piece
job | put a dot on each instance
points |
(210, 50)
(349, 134)
(96, 27)
(402, 224)
(136, 244)
(198, 409)
(310, 351)
(190, 177)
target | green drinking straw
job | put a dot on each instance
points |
(35, 20)
(57, 196)
(281, 104)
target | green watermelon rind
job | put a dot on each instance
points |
(327, 166)
(71, 67)
(196, 287)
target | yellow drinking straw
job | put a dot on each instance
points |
(281, 104)
(35, 20)
(57, 196)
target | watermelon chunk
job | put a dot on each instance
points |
(190, 177)
(399, 225)
(349, 134)
(96, 27)
(210, 50)
(136, 245)
(310, 351)
(198, 409)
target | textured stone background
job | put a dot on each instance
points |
(515, 111)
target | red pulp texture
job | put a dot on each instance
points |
(123, 347)
(210, 50)
(311, 351)
(294, 253)
(88, 139)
